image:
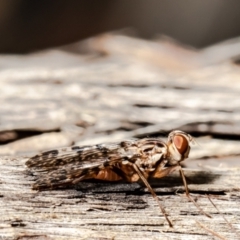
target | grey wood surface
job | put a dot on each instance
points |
(119, 88)
(117, 211)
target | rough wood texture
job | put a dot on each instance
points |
(136, 84)
(120, 88)
(116, 211)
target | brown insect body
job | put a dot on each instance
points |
(110, 162)
(128, 160)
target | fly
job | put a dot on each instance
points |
(129, 160)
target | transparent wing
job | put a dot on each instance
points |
(81, 157)
(64, 166)
(72, 164)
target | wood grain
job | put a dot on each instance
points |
(116, 211)
(120, 88)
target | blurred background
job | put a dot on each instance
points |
(84, 72)
(89, 71)
(27, 25)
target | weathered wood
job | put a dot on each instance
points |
(133, 88)
(116, 211)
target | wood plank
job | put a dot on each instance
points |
(119, 211)
(136, 89)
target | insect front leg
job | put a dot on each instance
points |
(188, 194)
(141, 175)
(163, 172)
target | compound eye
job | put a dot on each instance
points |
(181, 143)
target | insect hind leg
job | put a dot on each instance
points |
(59, 179)
(45, 184)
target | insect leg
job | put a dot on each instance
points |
(62, 178)
(162, 172)
(138, 171)
(188, 194)
(49, 183)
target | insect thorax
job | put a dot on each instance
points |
(152, 153)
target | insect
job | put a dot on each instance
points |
(130, 160)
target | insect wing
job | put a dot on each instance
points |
(84, 157)
(63, 166)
